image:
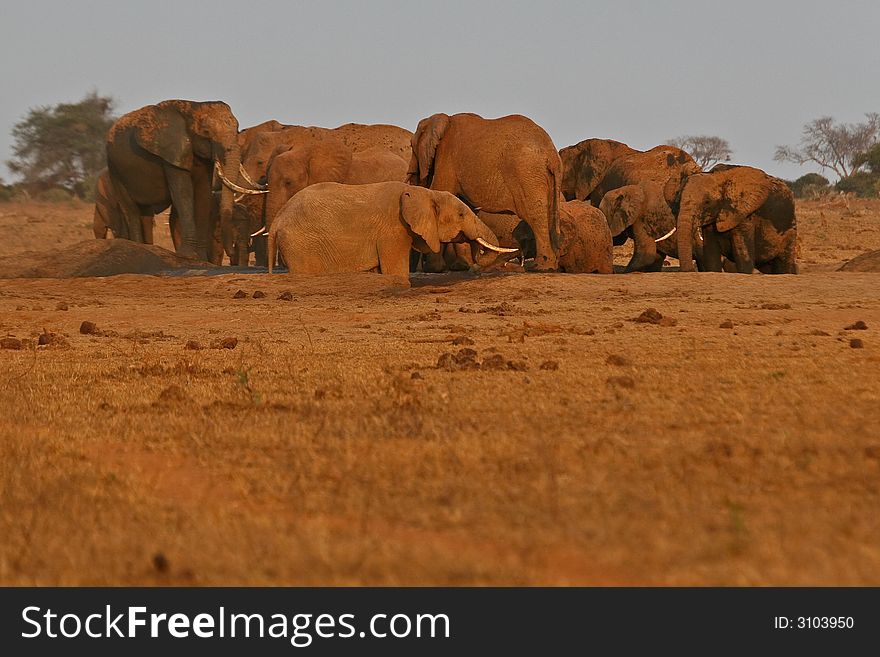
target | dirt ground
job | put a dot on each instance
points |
(504, 429)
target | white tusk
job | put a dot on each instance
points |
(259, 232)
(492, 247)
(231, 185)
(669, 234)
(247, 178)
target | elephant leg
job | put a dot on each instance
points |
(206, 213)
(414, 259)
(458, 257)
(261, 257)
(786, 262)
(147, 227)
(742, 240)
(394, 258)
(180, 184)
(433, 262)
(645, 256)
(174, 228)
(711, 249)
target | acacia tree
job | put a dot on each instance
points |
(834, 146)
(62, 146)
(706, 150)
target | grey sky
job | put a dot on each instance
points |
(751, 71)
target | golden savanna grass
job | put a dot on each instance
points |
(327, 446)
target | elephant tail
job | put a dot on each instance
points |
(553, 189)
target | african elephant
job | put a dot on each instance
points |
(642, 213)
(585, 245)
(505, 165)
(331, 227)
(744, 215)
(108, 213)
(166, 154)
(292, 168)
(585, 164)
(375, 142)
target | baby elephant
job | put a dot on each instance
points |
(333, 228)
(585, 239)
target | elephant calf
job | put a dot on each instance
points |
(332, 228)
(585, 245)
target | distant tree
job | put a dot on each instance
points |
(811, 185)
(62, 146)
(869, 159)
(834, 146)
(706, 150)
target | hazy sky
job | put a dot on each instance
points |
(642, 72)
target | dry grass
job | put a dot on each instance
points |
(328, 448)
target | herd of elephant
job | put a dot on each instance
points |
(462, 192)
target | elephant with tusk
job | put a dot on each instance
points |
(332, 228)
(167, 155)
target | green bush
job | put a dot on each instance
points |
(6, 193)
(811, 185)
(862, 184)
(54, 195)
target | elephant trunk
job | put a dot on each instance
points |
(685, 237)
(231, 164)
(485, 250)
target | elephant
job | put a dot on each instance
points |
(166, 155)
(457, 256)
(585, 164)
(664, 165)
(642, 213)
(333, 227)
(585, 240)
(293, 168)
(108, 213)
(376, 142)
(744, 214)
(504, 165)
(585, 245)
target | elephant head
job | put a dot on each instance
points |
(584, 165)
(432, 218)
(722, 198)
(291, 168)
(178, 132)
(645, 203)
(424, 147)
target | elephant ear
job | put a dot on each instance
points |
(622, 206)
(418, 211)
(163, 132)
(425, 141)
(741, 196)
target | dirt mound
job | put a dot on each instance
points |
(98, 258)
(866, 262)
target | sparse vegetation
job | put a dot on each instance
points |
(835, 146)
(61, 147)
(707, 150)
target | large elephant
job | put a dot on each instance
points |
(165, 155)
(331, 227)
(744, 215)
(585, 164)
(505, 165)
(376, 142)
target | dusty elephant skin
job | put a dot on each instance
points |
(331, 228)
(165, 155)
(744, 214)
(454, 154)
(643, 187)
